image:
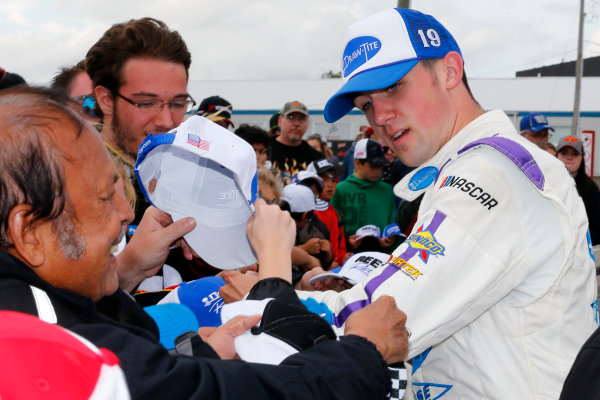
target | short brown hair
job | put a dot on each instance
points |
(64, 79)
(137, 38)
(428, 64)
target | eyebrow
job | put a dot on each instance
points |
(147, 94)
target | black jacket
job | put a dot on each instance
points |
(347, 369)
(583, 381)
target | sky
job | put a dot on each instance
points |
(291, 40)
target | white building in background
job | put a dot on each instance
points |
(255, 101)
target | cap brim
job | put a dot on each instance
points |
(341, 102)
(322, 277)
(562, 146)
(540, 127)
(378, 162)
(172, 320)
(215, 244)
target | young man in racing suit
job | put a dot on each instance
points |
(496, 278)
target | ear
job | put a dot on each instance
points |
(453, 63)
(105, 100)
(27, 238)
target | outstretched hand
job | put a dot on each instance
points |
(221, 338)
(382, 323)
(149, 247)
(272, 233)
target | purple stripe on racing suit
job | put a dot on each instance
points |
(516, 153)
(390, 270)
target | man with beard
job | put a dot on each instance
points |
(289, 153)
(139, 70)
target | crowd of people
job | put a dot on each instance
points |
(446, 256)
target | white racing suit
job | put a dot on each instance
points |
(497, 277)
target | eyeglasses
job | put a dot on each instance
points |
(87, 103)
(153, 106)
(296, 117)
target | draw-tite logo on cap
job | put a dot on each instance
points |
(195, 140)
(358, 51)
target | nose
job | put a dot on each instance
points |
(124, 210)
(382, 111)
(165, 119)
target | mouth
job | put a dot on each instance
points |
(115, 247)
(399, 134)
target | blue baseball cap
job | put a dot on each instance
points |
(172, 320)
(201, 297)
(391, 230)
(535, 122)
(384, 47)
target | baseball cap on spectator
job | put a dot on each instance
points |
(44, 361)
(274, 121)
(370, 151)
(320, 167)
(300, 198)
(570, 141)
(535, 122)
(294, 106)
(216, 108)
(9, 79)
(307, 178)
(201, 297)
(368, 230)
(356, 269)
(203, 170)
(384, 47)
(172, 320)
(391, 230)
(283, 330)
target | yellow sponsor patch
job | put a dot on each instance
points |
(408, 269)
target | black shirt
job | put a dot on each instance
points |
(288, 160)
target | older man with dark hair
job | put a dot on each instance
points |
(62, 211)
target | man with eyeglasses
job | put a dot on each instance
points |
(535, 127)
(139, 70)
(289, 153)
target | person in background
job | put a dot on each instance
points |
(363, 199)
(549, 147)
(259, 140)
(535, 127)
(570, 152)
(289, 153)
(269, 188)
(274, 125)
(312, 235)
(348, 161)
(10, 79)
(77, 84)
(317, 142)
(326, 212)
(218, 110)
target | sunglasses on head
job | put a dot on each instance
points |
(2, 74)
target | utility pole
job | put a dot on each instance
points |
(578, 73)
(403, 3)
